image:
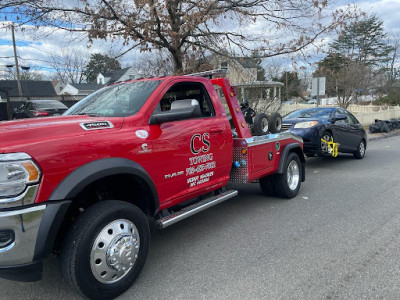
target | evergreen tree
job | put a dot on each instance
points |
(99, 63)
(364, 42)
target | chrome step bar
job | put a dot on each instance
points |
(194, 209)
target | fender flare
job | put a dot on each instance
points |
(60, 200)
(71, 185)
(292, 147)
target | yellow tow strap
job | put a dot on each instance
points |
(332, 147)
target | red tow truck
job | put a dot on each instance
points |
(87, 184)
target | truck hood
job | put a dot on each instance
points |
(27, 131)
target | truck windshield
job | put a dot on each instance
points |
(120, 100)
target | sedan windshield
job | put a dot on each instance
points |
(120, 100)
(315, 113)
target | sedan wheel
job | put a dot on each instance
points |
(360, 153)
(324, 146)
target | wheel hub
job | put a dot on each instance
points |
(122, 253)
(115, 251)
(293, 175)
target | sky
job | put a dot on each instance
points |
(37, 48)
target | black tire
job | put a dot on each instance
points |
(360, 153)
(82, 261)
(260, 124)
(267, 186)
(287, 184)
(275, 123)
(327, 136)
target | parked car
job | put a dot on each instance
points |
(327, 123)
(312, 101)
(39, 108)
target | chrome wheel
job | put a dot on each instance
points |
(324, 146)
(115, 251)
(361, 149)
(293, 175)
(278, 124)
(264, 125)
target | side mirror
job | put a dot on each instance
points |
(339, 117)
(180, 110)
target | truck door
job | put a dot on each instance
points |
(194, 155)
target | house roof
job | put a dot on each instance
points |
(30, 88)
(91, 86)
(246, 62)
(115, 75)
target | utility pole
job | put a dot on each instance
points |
(16, 62)
(287, 89)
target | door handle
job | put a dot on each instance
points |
(216, 130)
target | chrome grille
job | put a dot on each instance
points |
(286, 127)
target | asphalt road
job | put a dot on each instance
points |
(338, 239)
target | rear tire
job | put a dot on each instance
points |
(105, 249)
(275, 123)
(360, 153)
(287, 184)
(260, 124)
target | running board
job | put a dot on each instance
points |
(194, 209)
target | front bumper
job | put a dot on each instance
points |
(34, 230)
(24, 223)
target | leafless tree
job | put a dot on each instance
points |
(69, 65)
(350, 80)
(272, 27)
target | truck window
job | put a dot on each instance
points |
(188, 90)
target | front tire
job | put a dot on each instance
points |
(360, 153)
(106, 249)
(287, 184)
(327, 136)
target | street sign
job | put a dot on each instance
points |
(318, 86)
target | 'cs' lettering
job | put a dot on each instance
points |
(205, 143)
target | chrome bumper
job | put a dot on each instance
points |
(25, 224)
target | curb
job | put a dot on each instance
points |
(385, 135)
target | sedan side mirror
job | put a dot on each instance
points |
(339, 117)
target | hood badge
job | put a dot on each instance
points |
(96, 125)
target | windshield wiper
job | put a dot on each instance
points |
(90, 114)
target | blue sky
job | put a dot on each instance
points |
(36, 46)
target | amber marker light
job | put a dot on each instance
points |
(243, 124)
(32, 170)
(237, 109)
(244, 151)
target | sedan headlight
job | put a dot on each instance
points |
(306, 124)
(17, 170)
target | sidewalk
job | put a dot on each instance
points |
(382, 135)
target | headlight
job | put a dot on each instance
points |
(17, 170)
(306, 124)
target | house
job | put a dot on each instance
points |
(76, 89)
(30, 89)
(242, 73)
(117, 76)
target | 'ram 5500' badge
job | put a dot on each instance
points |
(96, 125)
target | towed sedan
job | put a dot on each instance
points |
(330, 124)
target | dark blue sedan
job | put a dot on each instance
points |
(327, 123)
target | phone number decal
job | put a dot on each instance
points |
(200, 168)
